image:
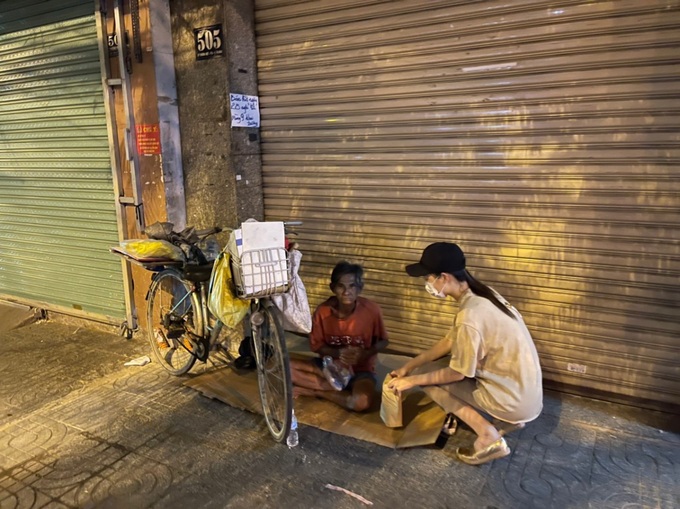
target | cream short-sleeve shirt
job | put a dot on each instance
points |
(499, 353)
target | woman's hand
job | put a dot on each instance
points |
(401, 372)
(399, 385)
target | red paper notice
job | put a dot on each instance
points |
(148, 139)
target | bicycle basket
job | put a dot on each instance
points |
(261, 272)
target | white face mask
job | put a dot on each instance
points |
(439, 294)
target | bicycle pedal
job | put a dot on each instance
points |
(245, 362)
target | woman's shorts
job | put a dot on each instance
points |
(449, 396)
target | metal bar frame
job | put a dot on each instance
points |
(109, 105)
(131, 135)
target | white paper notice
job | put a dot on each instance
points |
(245, 110)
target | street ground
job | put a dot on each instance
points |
(78, 429)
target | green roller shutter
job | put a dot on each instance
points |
(57, 209)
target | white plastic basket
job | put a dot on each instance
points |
(261, 272)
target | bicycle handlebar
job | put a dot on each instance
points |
(208, 231)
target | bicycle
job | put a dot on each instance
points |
(181, 329)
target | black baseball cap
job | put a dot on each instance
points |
(437, 258)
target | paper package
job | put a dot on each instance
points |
(391, 406)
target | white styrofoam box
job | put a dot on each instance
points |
(262, 235)
(264, 271)
(263, 258)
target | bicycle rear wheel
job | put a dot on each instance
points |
(172, 310)
(273, 370)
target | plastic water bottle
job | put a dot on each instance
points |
(337, 375)
(292, 440)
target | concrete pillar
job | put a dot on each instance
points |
(222, 166)
(168, 114)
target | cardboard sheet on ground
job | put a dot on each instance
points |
(422, 417)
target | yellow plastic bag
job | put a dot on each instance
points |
(151, 249)
(222, 302)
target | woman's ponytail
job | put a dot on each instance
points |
(479, 288)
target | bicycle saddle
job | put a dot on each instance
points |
(198, 273)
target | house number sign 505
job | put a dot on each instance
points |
(112, 42)
(209, 41)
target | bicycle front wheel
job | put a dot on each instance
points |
(172, 310)
(273, 370)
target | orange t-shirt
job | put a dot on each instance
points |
(364, 327)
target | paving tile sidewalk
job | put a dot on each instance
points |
(78, 429)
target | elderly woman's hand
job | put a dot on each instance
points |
(351, 355)
(399, 385)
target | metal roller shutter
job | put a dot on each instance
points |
(57, 215)
(541, 136)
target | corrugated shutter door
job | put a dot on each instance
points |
(541, 136)
(57, 215)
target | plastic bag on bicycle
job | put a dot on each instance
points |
(222, 301)
(293, 304)
(149, 250)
